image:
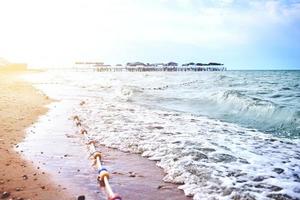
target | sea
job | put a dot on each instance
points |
(218, 135)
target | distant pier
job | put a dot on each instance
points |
(165, 69)
(156, 67)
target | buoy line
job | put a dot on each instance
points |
(103, 175)
(172, 85)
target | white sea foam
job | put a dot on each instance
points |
(211, 159)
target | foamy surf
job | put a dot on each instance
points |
(210, 158)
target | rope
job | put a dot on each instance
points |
(103, 174)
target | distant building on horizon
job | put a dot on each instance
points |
(172, 64)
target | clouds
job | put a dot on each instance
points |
(60, 31)
(227, 22)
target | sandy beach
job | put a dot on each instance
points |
(203, 156)
(20, 106)
(151, 100)
(133, 177)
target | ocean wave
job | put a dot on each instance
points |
(269, 115)
(209, 158)
(239, 107)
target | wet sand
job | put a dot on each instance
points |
(138, 178)
(20, 106)
(132, 176)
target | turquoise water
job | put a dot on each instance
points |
(264, 100)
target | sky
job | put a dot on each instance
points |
(242, 34)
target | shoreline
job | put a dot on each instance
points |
(132, 176)
(20, 106)
(61, 172)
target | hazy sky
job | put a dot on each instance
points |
(240, 33)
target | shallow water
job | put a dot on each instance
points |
(222, 135)
(56, 146)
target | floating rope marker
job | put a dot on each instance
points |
(103, 174)
(83, 131)
(82, 197)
